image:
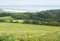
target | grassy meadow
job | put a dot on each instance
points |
(12, 29)
(28, 32)
(19, 27)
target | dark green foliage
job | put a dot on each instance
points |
(15, 22)
(31, 21)
(48, 17)
(2, 20)
(19, 15)
(2, 14)
(27, 21)
(11, 21)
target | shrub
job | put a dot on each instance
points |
(11, 21)
(35, 22)
(2, 20)
(53, 23)
(31, 21)
(26, 21)
(16, 22)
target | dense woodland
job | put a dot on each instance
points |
(48, 17)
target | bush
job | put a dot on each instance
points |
(26, 21)
(16, 22)
(35, 22)
(31, 21)
(2, 20)
(11, 21)
(53, 23)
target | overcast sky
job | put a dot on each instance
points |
(30, 4)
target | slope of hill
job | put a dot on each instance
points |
(48, 17)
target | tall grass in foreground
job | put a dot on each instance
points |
(53, 36)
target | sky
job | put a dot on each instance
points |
(30, 4)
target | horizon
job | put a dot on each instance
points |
(30, 7)
(30, 4)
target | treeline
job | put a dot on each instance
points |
(48, 17)
(16, 15)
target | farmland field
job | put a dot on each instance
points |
(29, 25)
(29, 32)
(18, 27)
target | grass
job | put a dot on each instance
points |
(29, 32)
(17, 27)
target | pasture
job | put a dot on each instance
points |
(29, 32)
(18, 27)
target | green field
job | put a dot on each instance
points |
(18, 27)
(28, 32)
(28, 26)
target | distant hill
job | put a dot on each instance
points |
(48, 17)
(48, 14)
